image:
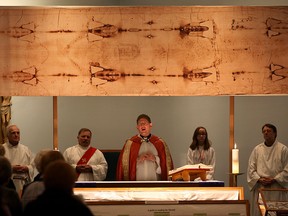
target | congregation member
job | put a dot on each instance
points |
(37, 163)
(10, 183)
(35, 188)
(144, 157)
(201, 151)
(89, 162)
(10, 203)
(267, 166)
(58, 198)
(21, 158)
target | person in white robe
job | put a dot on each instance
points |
(201, 151)
(267, 166)
(21, 158)
(95, 168)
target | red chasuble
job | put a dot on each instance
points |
(126, 167)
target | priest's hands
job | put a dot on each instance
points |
(146, 156)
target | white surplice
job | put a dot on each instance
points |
(98, 162)
(20, 155)
(267, 161)
(207, 157)
(148, 170)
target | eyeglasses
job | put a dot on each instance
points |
(202, 134)
(143, 124)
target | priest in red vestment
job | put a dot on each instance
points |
(144, 157)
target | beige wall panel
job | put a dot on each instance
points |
(143, 50)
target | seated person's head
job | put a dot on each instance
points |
(60, 176)
(49, 157)
(38, 158)
(5, 170)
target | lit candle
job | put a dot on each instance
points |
(235, 160)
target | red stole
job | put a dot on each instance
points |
(86, 157)
(166, 162)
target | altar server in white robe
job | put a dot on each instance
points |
(89, 162)
(267, 166)
(201, 151)
(21, 158)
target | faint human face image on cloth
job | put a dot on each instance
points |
(144, 127)
(84, 138)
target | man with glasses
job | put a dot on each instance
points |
(144, 157)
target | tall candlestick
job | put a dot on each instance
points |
(235, 160)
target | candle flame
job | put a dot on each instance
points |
(235, 146)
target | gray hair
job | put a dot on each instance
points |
(38, 158)
(8, 131)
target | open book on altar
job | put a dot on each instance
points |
(190, 172)
(190, 167)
